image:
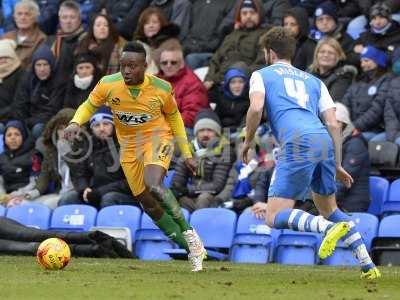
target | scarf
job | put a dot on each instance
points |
(59, 38)
(82, 83)
(381, 31)
(9, 67)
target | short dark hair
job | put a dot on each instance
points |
(281, 41)
(134, 47)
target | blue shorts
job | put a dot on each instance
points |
(308, 162)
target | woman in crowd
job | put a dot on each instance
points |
(103, 40)
(329, 66)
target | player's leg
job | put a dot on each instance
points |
(134, 173)
(153, 178)
(327, 206)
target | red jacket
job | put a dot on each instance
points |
(190, 94)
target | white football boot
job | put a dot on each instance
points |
(197, 251)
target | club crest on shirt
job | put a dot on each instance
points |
(132, 119)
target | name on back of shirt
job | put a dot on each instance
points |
(291, 71)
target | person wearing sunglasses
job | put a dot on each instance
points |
(190, 94)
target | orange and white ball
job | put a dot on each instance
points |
(53, 254)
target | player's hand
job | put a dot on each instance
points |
(191, 164)
(244, 153)
(85, 194)
(259, 210)
(344, 177)
(71, 131)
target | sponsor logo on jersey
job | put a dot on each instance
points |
(131, 119)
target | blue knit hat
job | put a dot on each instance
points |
(326, 8)
(103, 114)
(378, 56)
(248, 4)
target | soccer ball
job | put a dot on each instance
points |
(53, 254)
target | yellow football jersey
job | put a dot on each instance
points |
(138, 111)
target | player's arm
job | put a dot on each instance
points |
(175, 121)
(254, 113)
(328, 111)
(85, 111)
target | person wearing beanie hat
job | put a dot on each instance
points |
(11, 74)
(27, 35)
(101, 123)
(355, 160)
(16, 162)
(214, 156)
(233, 103)
(33, 101)
(377, 56)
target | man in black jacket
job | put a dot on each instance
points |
(95, 170)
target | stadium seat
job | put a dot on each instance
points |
(389, 226)
(31, 214)
(252, 242)
(392, 203)
(151, 241)
(378, 190)
(78, 217)
(2, 211)
(120, 216)
(297, 248)
(367, 226)
(168, 178)
(216, 227)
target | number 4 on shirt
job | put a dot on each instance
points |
(296, 89)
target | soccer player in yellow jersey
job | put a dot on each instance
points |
(147, 120)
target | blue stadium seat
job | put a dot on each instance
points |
(31, 214)
(151, 241)
(367, 225)
(78, 217)
(2, 211)
(392, 203)
(120, 216)
(168, 178)
(378, 191)
(389, 226)
(297, 248)
(216, 227)
(248, 246)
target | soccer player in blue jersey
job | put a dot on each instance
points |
(295, 103)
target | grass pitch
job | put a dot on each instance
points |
(83, 278)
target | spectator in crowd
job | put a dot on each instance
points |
(329, 66)
(240, 45)
(83, 80)
(351, 9)
(214, 157)
(296, 20)
(383, 32)
(355, 160)
(365, 98)
(97, 175)
(246, 184)
(103, 40)
(10, 75)
(233, 102)
(153, 29)
(66, 40)
(16, 166)
(123, 13)
(47, 20)
(33, 98)
(177, 12)
(190, 93)
(392, 109)
(54, 179)
(204, 38)
(27, 36)
(327, 24)
(273, 11)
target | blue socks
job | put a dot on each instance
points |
(353, 240)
